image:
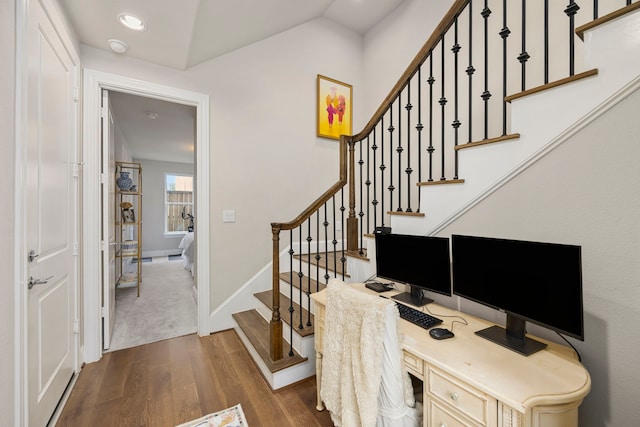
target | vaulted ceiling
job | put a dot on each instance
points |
(183, 33)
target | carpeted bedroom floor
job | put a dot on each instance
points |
(166, 307)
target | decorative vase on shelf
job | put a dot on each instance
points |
(124, 182)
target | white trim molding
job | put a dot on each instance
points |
(94, 82)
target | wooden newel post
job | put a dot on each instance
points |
(352, 220)
(275, 335)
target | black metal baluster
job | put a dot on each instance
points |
(326, 245)
(431, 80)
(486, 95)
(408, 170)
(456, 122)
(470, 71)
(308, 291)
(504, 33)
(391, 129)
(382, 169)
(443, 103)
(368, 192)
(399, 150)
(318, 257)
(571, 11)
(374, 148)
(300, 275)
(335, 240)
(546, 41)
(343, 258)
(524, 56)
(419, 128)
(291, 310)
(595, 8)
(361, 213)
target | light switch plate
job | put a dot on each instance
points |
(228, 216)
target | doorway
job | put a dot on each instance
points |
(94, 83)
(159, 136)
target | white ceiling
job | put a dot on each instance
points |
(184, 33)
(167, 137)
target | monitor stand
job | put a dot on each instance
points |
(415, 297)
(513, 337)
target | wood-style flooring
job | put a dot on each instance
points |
(177, 380)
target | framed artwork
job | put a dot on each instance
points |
(334, 104)
(128, 215)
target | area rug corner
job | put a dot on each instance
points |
(230, 417)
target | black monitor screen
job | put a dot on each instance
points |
(534, 281)
(420, 261)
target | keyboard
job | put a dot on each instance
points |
(417, 317)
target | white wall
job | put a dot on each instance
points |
(153, 214)
(266, 162)
(586, 193)
(393, 43)
(8, 255)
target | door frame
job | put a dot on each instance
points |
(93, 83)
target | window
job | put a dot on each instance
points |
(178, 199)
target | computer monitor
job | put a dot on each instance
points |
(530, 281)
(423, 262)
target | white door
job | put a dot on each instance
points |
(108, 221)
(51, 217)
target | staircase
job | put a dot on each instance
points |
(331, 237)
(253, 325)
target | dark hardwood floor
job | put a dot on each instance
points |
(173, 381)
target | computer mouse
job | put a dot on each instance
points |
(440, 333)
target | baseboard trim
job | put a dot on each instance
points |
(163, 252)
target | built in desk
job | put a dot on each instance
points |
(469, 381)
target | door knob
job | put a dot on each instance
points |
(32, 255)
(32, 282)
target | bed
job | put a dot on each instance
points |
(188, 252)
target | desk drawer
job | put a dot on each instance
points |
(460, 396)
(413, 364)
(441, 416)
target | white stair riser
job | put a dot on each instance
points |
(283, 377)
(285, 290)
(303, 345)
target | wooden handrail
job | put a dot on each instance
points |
(347, 175)
(313, 207)
(446, 22)
(275, 325)
(348, 144)
(348, 166)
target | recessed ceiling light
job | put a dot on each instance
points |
(118, 46)
(151, 115)
(132, 22)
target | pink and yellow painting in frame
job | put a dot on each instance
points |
(335, 103)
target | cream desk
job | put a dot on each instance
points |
(469, 381)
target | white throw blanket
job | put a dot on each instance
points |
(364, 382)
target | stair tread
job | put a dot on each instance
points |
(303, 282)
(357, 254)
(266, 297)
(332, 262)
(256, 329)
